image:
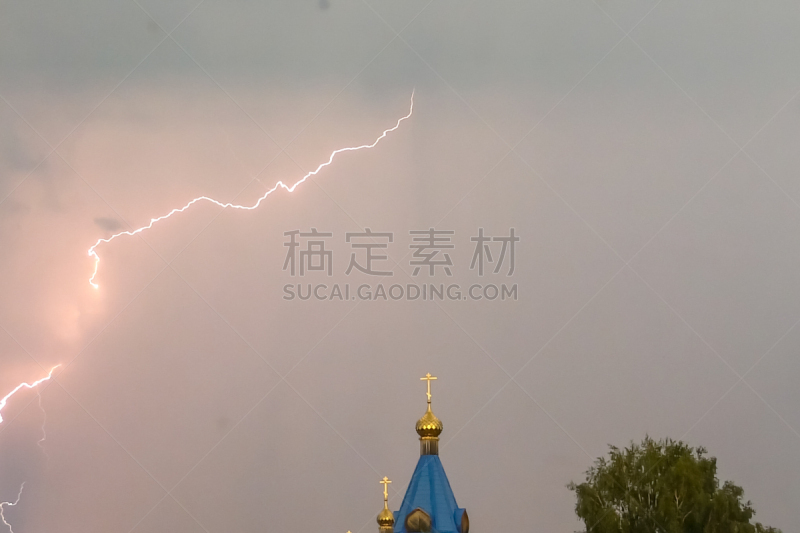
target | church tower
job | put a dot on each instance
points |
(429, 505)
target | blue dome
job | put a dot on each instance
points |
(430, 491)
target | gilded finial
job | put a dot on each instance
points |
(429, 427)
(386, 517)
(428, 378)
(385, 482)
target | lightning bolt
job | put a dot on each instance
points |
(21, 386)
(3, 403)
(44, 421)
(3, 505)
(280, 184)
(93, 253)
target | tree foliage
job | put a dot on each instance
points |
(661, 487)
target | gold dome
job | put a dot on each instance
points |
(429, 426)
(385, 518)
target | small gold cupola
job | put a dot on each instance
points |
(429, 427)
(385, 517)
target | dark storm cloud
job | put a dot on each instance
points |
(108, 224)
(486, 43)
(19, 151)
(15, 154)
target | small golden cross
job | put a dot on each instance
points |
(385, 482)
(428, 378)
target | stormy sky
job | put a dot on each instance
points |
(644, 152)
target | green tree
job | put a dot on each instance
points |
(661, 487)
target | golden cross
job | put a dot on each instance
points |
(385, 482)
(428, 378)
